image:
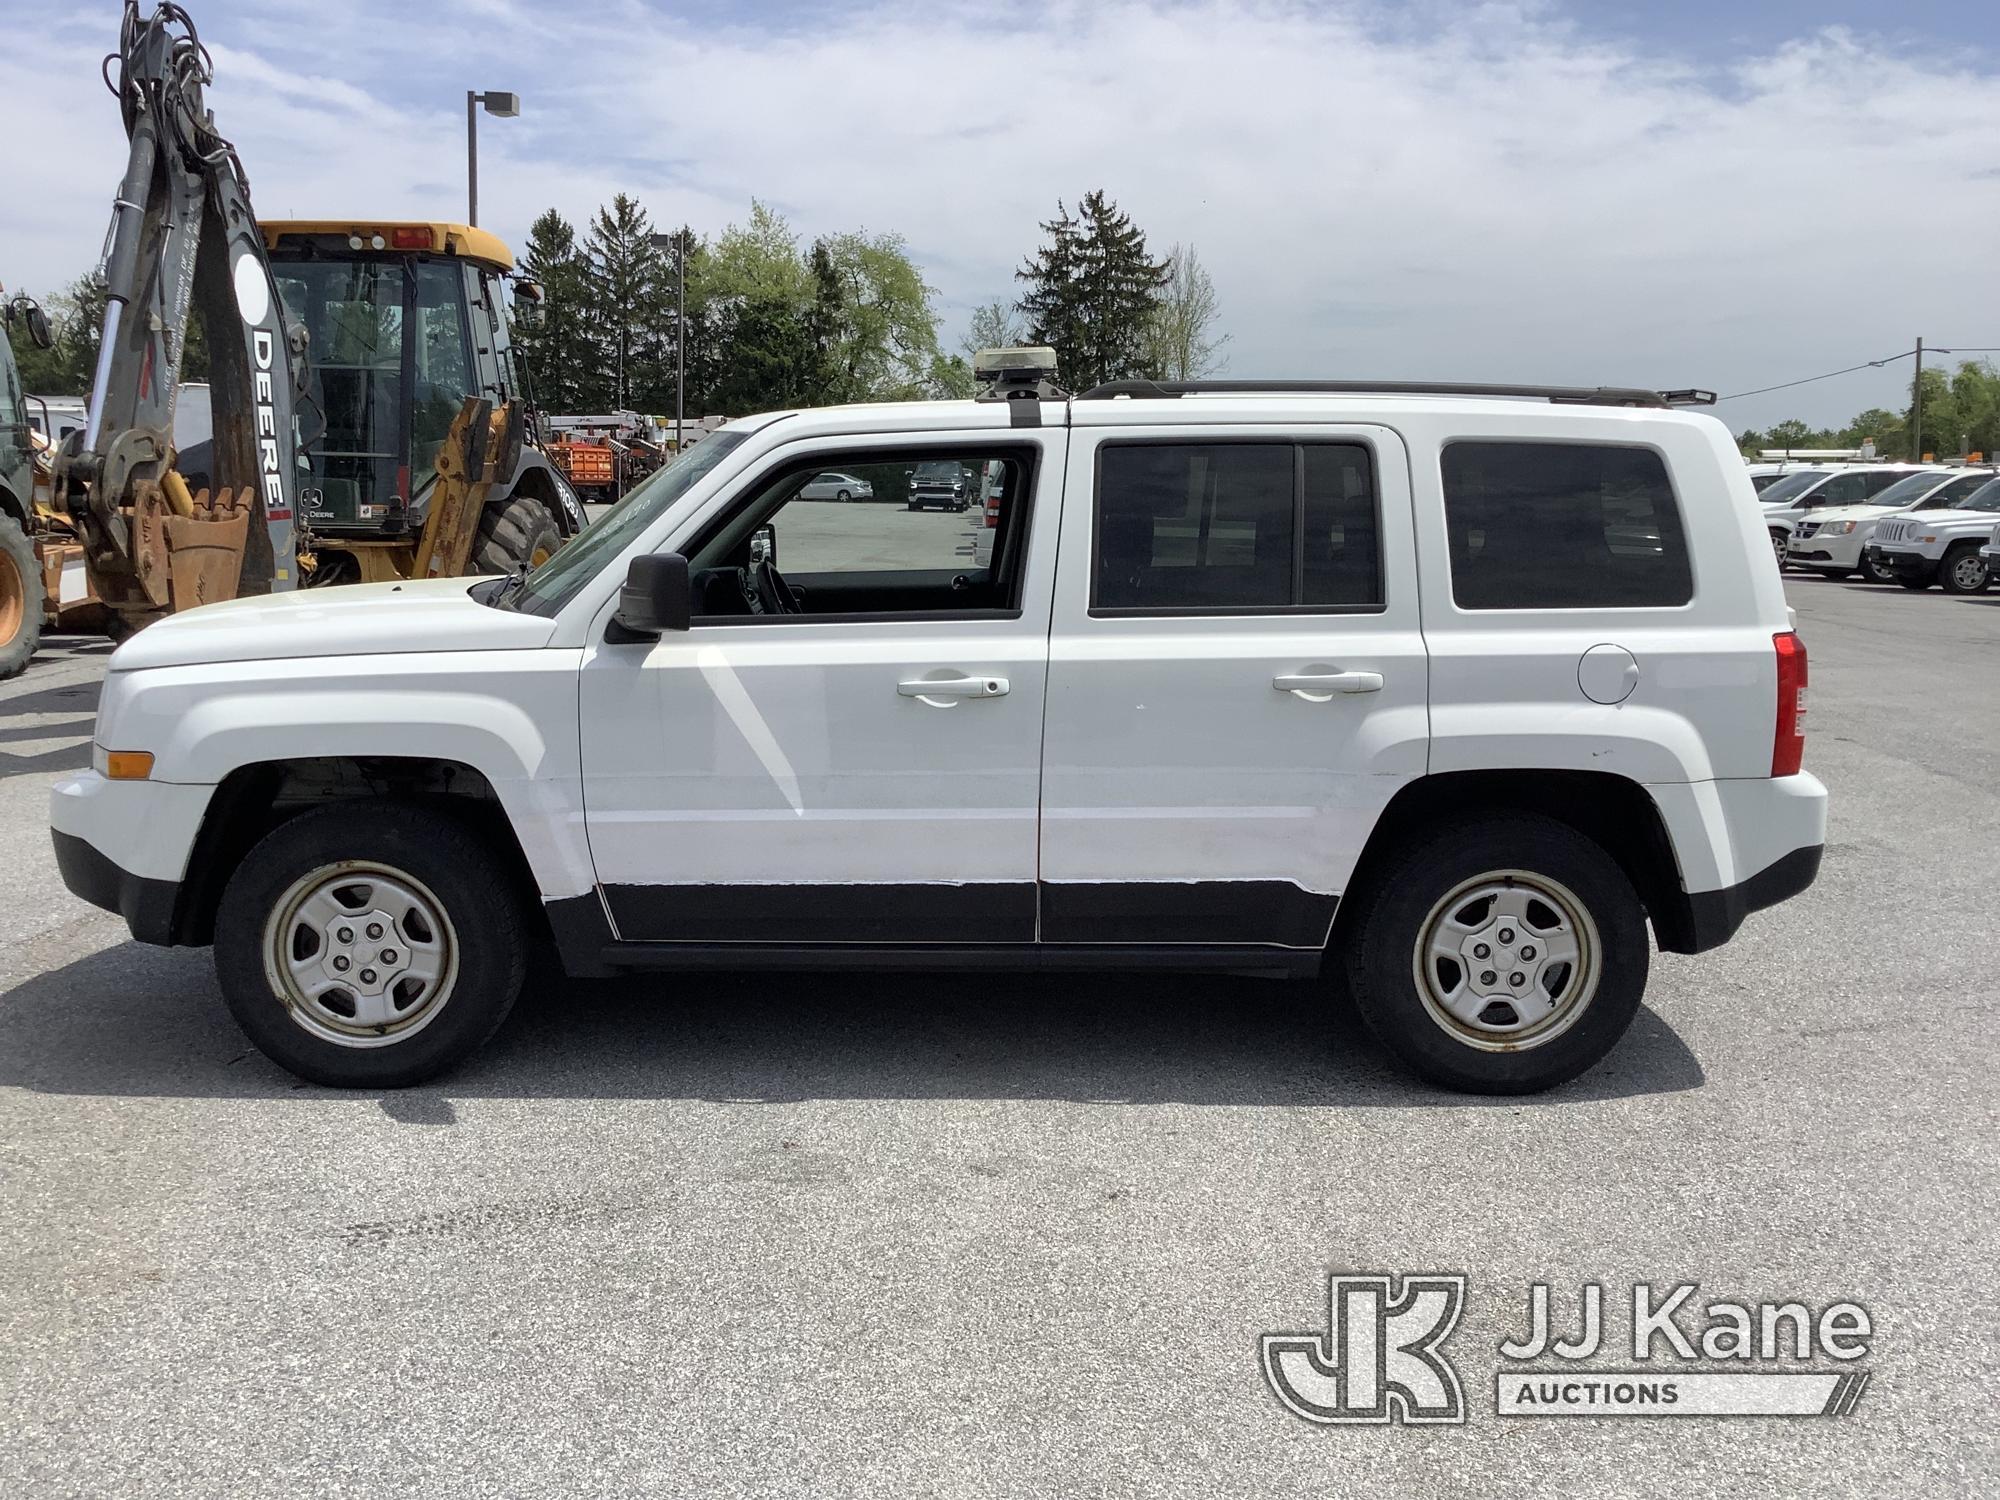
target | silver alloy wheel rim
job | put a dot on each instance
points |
(1507, 961)
(360, 954)
(1968, 572)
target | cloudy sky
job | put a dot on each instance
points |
(1707, 192)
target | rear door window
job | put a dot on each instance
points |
(1235, 528)
(1563, 526)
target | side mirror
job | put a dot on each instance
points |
(29, 311)
(657, 597)
(528, 303)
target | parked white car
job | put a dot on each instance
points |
(837, 486)
(1945, 547)
(1451, 694)
(1798, 494)
(1833, 539)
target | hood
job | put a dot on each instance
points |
(1852, 512)
(366, 619)
(1927, 520)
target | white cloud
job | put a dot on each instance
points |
(1476, 193)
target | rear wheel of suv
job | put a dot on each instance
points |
(1501, 955)
(370, 945)
(1964, 571)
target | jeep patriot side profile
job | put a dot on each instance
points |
(1450, 696)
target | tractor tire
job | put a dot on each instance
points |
(20, 598)
(513, 531)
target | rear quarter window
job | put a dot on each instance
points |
(1563, 526)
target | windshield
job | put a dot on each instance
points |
(556, 581)
(1910, 488)
(1793, 484)
(1986, 497)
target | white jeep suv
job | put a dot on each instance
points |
(1833, 540)
(1945, 547)
(1446, 693)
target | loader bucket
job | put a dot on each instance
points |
(205, 550)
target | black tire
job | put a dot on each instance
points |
(513, 531)
(1871, 573)
(412, 842)
(20, 598)
(842, 496)
(915, 506)
(1963, 570)
(1394, 907)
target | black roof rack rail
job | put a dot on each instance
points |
(1579, 395)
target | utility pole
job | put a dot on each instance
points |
(680, 336)
(1917, 407)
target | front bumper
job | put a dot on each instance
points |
(148, 906)
(124, 845)
(1903, 564)
(1818, 551)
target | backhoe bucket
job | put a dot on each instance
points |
(205, 550)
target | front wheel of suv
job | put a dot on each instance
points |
(1874, 572)
(1503, 955)
(1964, 571)
(370, 945)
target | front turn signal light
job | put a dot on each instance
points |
(128, 765)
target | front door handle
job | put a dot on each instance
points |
(1320, 686)
(942, 692)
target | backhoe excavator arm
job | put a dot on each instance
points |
(183, 239)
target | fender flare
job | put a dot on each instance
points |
(535, 473)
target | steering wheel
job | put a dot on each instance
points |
(772, 591)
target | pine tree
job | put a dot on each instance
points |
(1092, 290)
(562, 363)
(631, 290)
(1053, 304)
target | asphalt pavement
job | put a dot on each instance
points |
(971, 1235)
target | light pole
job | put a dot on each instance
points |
(680, 326)
(504, 105)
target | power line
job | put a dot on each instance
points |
(1873, 364)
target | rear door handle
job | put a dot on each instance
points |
(1323, 685)
(939, 691)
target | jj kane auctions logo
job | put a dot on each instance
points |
(1381, 1358)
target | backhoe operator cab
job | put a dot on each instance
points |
(404, 322)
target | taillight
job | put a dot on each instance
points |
(1788, 748)
(992, 515)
